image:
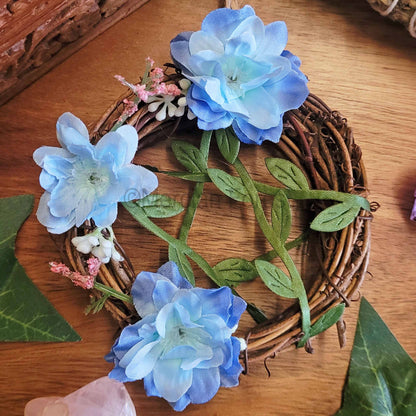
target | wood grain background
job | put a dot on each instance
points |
(359, 63)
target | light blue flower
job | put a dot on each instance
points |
(240, 73)
(182, 348)
(83, 181)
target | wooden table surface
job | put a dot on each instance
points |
(359, 63)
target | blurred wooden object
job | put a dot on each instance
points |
(37, 35)
(403, 12)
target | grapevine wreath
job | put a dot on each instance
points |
(231, 83)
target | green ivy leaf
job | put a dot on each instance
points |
(275, 279)
(159, 206)
(287, 173)
(25, 314)
(335, 217)
(229, 185)
(235, 271)
(228, 143)
(281, 216)
(189, 156)
(381, 377)
(183, 264)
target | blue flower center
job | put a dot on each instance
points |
(90, 176)
(239, 74)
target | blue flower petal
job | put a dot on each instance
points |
(236, 309)
(163, 293)
(63, 199)
(113, 148)
(170, 270)
(180, 404)
(216, 301)
(142, 291)
(190, 301)
(58, 166)
(47, 181)
(170, 380)
(105, 216)
(40, 154)
(246, 37)
(73, 135)
(241, 74)
(205, 385)
(140, 359)
(150, 387)
(55, 225)
(275, 39)
(136, 182)
(222, 22)
(202, 41)
(129, 135)
(230, 375)
(179, 50)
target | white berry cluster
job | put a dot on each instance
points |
(98, 245)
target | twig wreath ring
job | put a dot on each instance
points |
(235, 84)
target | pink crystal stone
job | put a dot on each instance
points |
(102, 397)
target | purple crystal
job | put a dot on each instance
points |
(413, 214)
(102, 397)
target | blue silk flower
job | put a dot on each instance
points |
(182, 347)
(83, 181)
(241, 75)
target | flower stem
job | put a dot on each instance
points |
(290, 193)
(111, 292)
(270, 255)
(197, 194)
(139, 214)
(278, 247)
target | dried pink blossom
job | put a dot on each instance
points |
(130, 108)
(150, 61)
(142, 93)
(94, 264)
(78, 279)
(60, 268)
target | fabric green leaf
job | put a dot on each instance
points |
(287, 173)
(229, 185)
(335, 217)
(159, 206)
(188, 176)
(275, 279)
(183, 264)
(189, 156)
(382, 377)
(235, 271)
(25, 314)
(327, 320)
(281, 216)
(228, 143)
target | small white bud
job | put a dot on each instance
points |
(105, 243)
(93, 240)
(243, 344)
(182, 102)
(154, 106)
(77, 240)
(98, 252)
(184, 83)
(84, 247)
(115, 255)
